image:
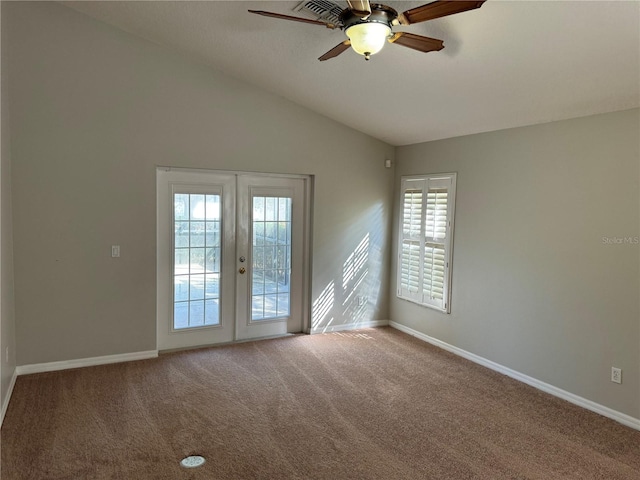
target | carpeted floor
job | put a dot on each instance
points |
(372, 404)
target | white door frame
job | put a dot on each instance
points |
(165, 178)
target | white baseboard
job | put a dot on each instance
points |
(540, 385)
(84, 362)
(350, 326)
(7, 397)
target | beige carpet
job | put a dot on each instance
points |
(375, 404)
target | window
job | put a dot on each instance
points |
(271, 280)
(196, 254)
(425, 239)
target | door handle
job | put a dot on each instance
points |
(242, 270)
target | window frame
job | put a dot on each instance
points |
(424, 183)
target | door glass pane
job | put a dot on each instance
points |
(196, 265)
(271, 251)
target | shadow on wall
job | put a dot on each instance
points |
(352, 299)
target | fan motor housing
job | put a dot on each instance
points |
(379, 14)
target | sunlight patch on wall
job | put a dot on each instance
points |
(354, 263)
(353, 297)
(322, 306)
(354, 272)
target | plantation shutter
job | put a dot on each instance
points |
(436, 220)
(411, 240)
(425, 239)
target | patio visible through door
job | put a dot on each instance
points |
(231, 256)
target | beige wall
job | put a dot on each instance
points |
(94, 110)
(535, 288)
(7, 320)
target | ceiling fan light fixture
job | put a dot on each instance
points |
(369, 25)
(368, 38)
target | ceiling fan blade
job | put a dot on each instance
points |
(417, 42)
(295, 19)
(360, 8)
(436, 10)
(335, 51)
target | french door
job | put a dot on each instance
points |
(231, 256)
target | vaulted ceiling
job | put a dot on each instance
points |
(507, 64)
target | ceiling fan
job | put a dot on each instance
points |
(368, 25)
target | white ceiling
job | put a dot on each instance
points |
(507, 64)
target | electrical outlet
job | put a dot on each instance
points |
(115, 251)
(616, 375)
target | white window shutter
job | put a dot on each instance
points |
(436, 215)
(410, 268)
(412, 212)
(411, 228)
(434, 274)
(425, 239)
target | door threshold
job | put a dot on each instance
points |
(233, 342)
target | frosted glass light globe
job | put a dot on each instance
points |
(368, 38)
